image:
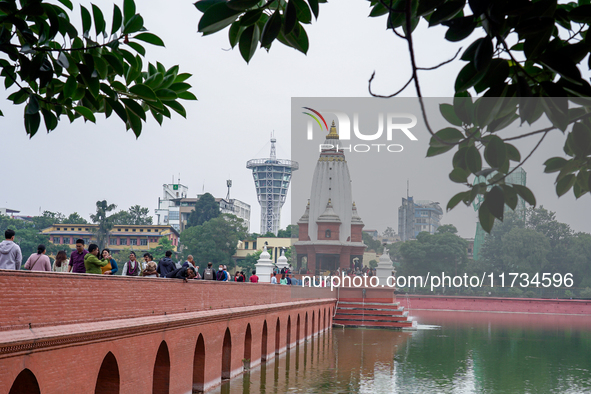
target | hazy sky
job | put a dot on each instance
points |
(239, 106)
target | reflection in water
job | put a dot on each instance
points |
(469, 353)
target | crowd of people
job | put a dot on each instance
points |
(94, 261)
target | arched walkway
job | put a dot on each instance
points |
(277, 336)
(161, 382)
(264, 343)
(298, 329)
(288, 336)
(25, 383)
(247, 347)
(199, 365)
(227, 355)
(108, 380)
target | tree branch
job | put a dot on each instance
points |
(440, 64)
(393, 94)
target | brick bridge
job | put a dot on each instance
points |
(76, 333)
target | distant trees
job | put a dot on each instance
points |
(104, 221)
(28, 236)
(205, 209)
(135, 215)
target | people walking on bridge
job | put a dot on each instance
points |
(91, 261)
(254, 278)
(10, 253)
(182, 273)
(111, 268)
(76, 264)
(61, 262)
(166, 265)
(38, 261)
(132, 267)
(209, 273)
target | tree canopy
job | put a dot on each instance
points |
(205, 209)
(214, 241)
(135, 215)
(59, 71)
(104, 221)
(522, 62)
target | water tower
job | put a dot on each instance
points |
(271, 180)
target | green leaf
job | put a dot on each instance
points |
(297, 39)
(187, 96)
(166, 94)
(154, 81)
(554, 164)
(32, 122)
(118, 108)
(565, 184)
(271, 29)
(251, 17)
(117, 19)
(99, 20)
(67, 3)
(234, 33)
(150, 38)
(458, 175)
(128, 10)
(526, 194)
(33, 106)
(302, 11)
(510, 196)
(485, 218)
(446, 11)
(447, 110)
(242, 5)
(484, 53)
(314, 7)
(134, 107)
(581, 137)
(473, 159)
(115, 63)
(290, 18)
(182, 77)
(495, 201)
(86, 20)
(180, 87)
(512, 153)
(203, 5)
(177, 107)
(495, 152)
(248, 42)
(459, 28)
(137, 47)
(455, 200)
(50, 119)
(467, 77)
(448, 134)
(134, 122)
(134, 24)
(86, 113)
(143, 91)
(217, 17)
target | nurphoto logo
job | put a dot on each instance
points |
(394, 124)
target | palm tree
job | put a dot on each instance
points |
(105, 223)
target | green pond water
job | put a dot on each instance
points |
(451, 352)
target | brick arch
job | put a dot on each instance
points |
(288, 334)
(306, 327)
(227, 355)
(199, 364)
(324, 319)
(264, 342)
(298, 329)
(108, 380)
(161, 380)
(247, 347)
(277, 336)
(25, 383)
(318, 320)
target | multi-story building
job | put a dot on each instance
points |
(418, 216)
(175, 207)
(136, 237)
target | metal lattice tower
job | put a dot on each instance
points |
(272, 177)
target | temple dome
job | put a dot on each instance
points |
(329, 215)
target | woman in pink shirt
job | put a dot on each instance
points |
(38, 261)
